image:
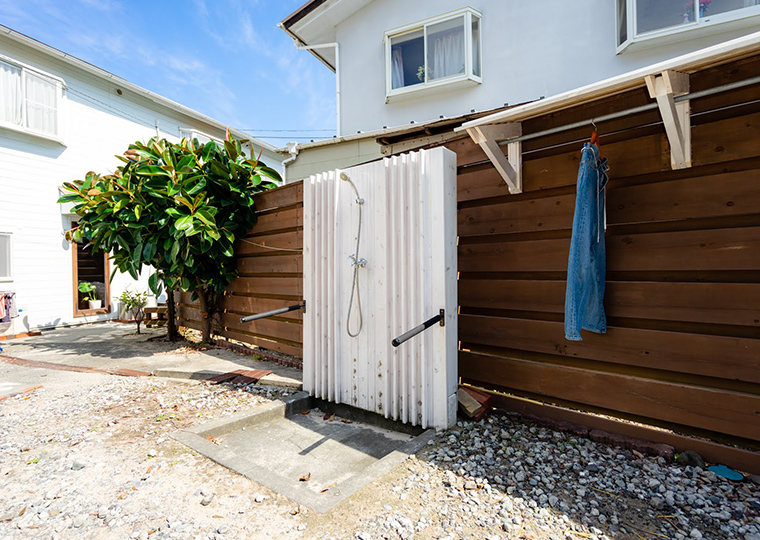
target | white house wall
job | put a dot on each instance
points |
(530, 49)
(312, 160)
(96, 124)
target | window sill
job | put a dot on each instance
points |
(33, 134)
(419, 90)
(711, 26)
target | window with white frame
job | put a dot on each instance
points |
(30, 99)
(648, 20)
(5, 256)
(435, 52)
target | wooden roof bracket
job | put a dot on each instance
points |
(509, 166)
(676, 117)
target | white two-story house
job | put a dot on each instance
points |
(402, 65)
(61, 117)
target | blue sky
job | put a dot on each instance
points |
(224, 58)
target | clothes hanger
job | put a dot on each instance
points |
(595, 139)
(595, 134)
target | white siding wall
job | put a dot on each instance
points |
(408, 238)
(97, 124)
(530, 49)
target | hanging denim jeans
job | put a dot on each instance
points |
(586, 267)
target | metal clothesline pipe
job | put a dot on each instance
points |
(631, 111)
(406, 336)
(271, 313)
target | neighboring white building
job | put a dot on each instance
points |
(401, 61)
(61, 117)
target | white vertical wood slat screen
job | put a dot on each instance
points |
(408, 238)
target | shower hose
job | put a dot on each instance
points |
(356, 264)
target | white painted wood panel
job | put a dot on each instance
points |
(408, 236)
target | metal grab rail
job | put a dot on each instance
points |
(441, 317)
(265, 314)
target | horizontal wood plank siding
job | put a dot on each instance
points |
(683, 267)
(270, 267)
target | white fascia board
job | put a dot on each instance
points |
(122, 83)
(723, 52)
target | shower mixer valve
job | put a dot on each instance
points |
(360, 262)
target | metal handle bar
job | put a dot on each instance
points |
(272, 313)
(441, 317)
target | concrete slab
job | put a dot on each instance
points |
(116, 346)
(279, 445)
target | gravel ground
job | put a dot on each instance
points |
(98, 463)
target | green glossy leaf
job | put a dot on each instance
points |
(184, 223)
(149, 251)
(154, 284)
(152, 170)
(175, 251)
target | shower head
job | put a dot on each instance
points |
(344, 176)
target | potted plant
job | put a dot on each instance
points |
(133, 304)
(89, 291)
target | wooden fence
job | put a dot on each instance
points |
(683, 267)
(270, 264)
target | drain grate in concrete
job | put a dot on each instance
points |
(316, 460)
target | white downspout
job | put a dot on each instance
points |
(293, 149)
(337, 71)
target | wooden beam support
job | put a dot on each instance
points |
(675, 116)
(509, 166)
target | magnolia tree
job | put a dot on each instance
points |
(175, 207)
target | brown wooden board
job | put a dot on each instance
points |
(723, 411)
(270, 244)
(287, 218)
(277, 263)
(267, 342)
(247, 305)
(287, 195)
(727, 140)
(712, 303)
(291, 331)
(269, 287)
(717, 249)
(687, 198)
(707, 355)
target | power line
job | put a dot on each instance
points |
(285, 130)
(288, 138)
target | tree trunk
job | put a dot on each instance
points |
(171, 326)
(206, 315)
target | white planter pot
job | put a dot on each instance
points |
(96, 304)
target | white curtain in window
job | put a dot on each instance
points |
(41, 104)
(10, 90)
(397, 68)
(448, 54)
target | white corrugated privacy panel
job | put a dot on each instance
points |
(408, 237)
